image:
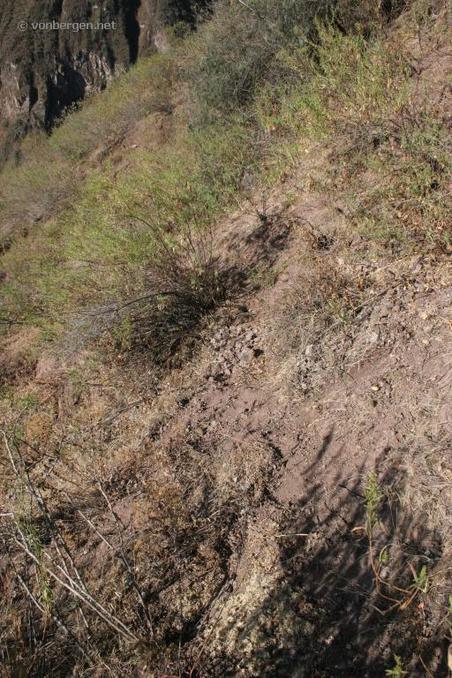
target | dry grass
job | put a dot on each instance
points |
(142, 527)
(156, 550)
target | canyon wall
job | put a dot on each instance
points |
(54, 53)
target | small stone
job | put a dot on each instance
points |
(246, 355)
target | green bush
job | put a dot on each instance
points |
(233, 53)
(389, 141)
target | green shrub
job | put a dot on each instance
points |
(233, 53)
(391, 143)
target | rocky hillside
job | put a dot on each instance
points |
(45, 69)
(225, 356)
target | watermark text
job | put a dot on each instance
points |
(74, 26)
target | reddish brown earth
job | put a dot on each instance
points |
(239, 479)
(236, 479)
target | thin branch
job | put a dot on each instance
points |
(112, 621)
(126, 562)
(77, 588)
(55, 618)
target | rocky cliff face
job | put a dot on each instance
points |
(53, 53)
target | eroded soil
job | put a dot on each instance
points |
(237, 483)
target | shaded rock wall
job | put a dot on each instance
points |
(43, 71)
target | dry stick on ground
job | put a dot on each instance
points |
(55, 618)
(114, 623)
(115, 308)
(122, 557)
(75, 586)
(109, 420)
(56, 533)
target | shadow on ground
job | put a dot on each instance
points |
(346, 605)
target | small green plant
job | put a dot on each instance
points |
(46, 592)
(396, 671)
(383, 557)
(29, 531)
(6, 392)
(421, 580)
(28, 402)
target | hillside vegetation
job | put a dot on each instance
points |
(225, 356)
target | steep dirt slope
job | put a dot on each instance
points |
(274, 500)
(241, 478)
(300, 596)
(303, 593)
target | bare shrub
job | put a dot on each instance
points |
(185, 283)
